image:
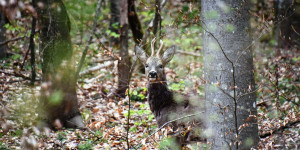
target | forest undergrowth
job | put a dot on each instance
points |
(106, 116)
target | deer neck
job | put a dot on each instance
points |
(159, 96)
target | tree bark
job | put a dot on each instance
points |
(114, 24)
(59, 99)
(157, 18)
(229, 74)
(123, 64)
(2, 34)
(31, 47)
(134, 22)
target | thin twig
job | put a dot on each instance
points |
(11, 40)
(295, 30)
(25, 58)
(129, 103)
(128, 119)
(92, 31)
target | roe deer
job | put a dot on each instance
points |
(165, 104)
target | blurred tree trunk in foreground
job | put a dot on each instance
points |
(2, 35)
(123, 64)
(229, 74)
(114, 23)
(287, 23)
(59, 104)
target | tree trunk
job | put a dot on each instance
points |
(229, 75)
(2, 35)
(134, 22)
(287, 24)
(59, 99)
(124, 64)
(114, 24)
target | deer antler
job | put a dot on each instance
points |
(152, 47)
(160, 47)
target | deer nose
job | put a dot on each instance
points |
(152, 74)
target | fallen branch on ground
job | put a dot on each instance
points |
(11, 40)
(16, 75)
(290, 124)
(104, 60)
(95, 68)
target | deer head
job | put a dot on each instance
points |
(154, 65)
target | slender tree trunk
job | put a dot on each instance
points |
(287, 24)
(134, 22)
(114, 24)
(157, 18)
(59, 99)
(2, 35)
(283, 10)
(32, 49)
(229, 75)
(124, 64)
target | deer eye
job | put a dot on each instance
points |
(146, 66)
(160, 66)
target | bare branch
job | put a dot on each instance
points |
(150, 26)
(274, 131)
(11, 40)
(16, 74)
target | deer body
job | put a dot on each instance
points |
(161, 100)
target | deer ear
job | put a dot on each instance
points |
(141, 54)
(168, 54)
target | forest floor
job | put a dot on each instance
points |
(106, 117)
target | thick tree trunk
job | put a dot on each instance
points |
(124, 64)
(229, 75)
(59, 99)
(114, 24)
(2, 35)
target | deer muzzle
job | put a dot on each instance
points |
(152, 75)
